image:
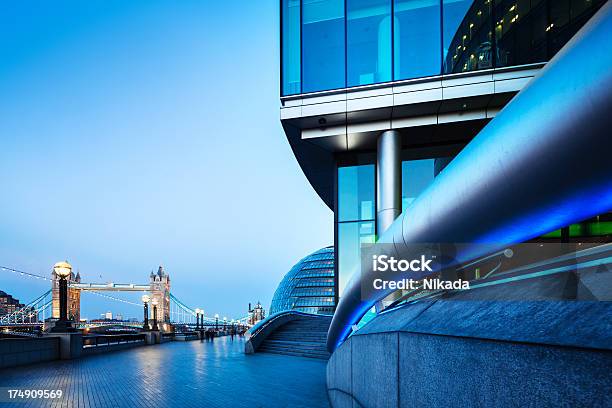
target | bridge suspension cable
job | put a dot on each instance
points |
(24, 273)
(25, 314)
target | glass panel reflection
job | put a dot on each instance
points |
(467, 35)
(368, 41)
(417, 175)
(417, 39)
(291, 47)
(356, 193)
(534, 31)
(323, 45)
(351, 235)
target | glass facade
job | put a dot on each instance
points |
(368, 52)
(290, 53)
(323, 45)
(356, 215)
(331, 44)
(417, 38)
(597, 229)
(351, 235)
(356, 193)
(416, 177)
(467, 43)
(309, 286)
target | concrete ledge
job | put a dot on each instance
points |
(70, 344)
(185, 337)
(111, 347)
(468, 353)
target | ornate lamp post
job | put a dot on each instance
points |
(202, 319)
(145, 301)
(216, 322)
(197, 319)
(154, 303)
(224, 323)
(63, 270)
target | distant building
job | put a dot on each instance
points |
(108, 315)
(308, 287)
(256, 314)
(8, 304)
(119, 317)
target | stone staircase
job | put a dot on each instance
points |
(305, 337)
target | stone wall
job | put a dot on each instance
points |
(479, 353)
(16, 352)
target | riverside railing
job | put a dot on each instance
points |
(112, 339)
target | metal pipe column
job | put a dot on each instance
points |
(388, 180)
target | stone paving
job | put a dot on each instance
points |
(176, 374)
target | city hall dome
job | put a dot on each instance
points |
(308, 286)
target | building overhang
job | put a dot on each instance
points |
(446, 109)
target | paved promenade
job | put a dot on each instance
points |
(178, 374)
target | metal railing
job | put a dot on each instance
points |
(112, 339)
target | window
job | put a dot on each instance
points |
(416, 177)
(356, 193)
(467, 35)
(291, 60)
(534, 31)
(356, 218)
(368, 41)
(351, 235)
(416, 39)
(323, 45)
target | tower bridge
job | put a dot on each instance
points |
(158, 288)
(170, 311)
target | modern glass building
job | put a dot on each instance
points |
(378, 96)
(308, 286)
(476, 132)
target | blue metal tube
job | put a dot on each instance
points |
(544, 162)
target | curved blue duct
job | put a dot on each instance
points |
(544, 162)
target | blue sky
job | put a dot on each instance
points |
(139, 133)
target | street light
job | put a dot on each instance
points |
(224, 323)
(202, 318)
(154, 302)
(216, 321)
(63, 271)
(197, 318)
(145, 301)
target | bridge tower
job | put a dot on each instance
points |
(256, 314)
(74, 297)
(160, 290)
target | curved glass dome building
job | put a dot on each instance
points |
(309, 286)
